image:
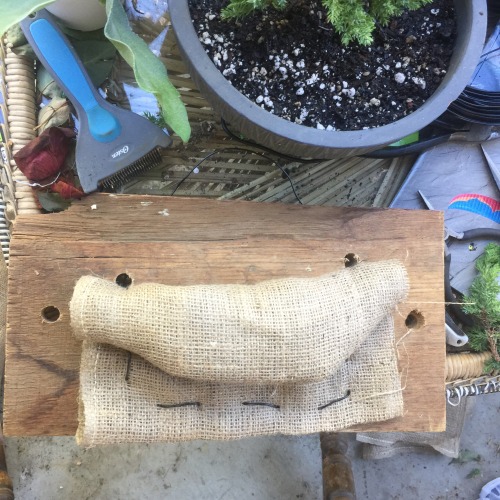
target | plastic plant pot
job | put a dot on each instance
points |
(254, 123)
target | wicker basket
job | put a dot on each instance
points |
(226, 171)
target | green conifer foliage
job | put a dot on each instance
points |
(353, 20)
(482, 303)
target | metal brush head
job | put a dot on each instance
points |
(148, 161)
(107, 165)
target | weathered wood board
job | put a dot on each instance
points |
(194, 240)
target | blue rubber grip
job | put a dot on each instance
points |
(67, 71)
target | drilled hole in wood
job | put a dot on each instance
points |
(415, 320)
(351, 259)
(50, 314)
(124, 280)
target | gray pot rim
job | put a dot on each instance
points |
(298, 140)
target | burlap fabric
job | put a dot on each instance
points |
(290, 356)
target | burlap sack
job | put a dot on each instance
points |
(289, 356)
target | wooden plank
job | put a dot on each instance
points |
(205, 241)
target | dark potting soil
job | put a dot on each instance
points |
(292, 64)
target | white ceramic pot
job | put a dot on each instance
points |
(84, 15)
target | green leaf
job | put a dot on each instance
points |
(491, 366)
(353, 20)
(97, 56)
(473, 473)
(46, 84)
(15, 36)
(149, 71)
(466, 456)
(95, 51)
(83, 35)
(52, 202)
(157, 119)
(53, 114)
(24, 50)
(482, 303)
(17, 10)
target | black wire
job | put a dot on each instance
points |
(338, 400)
(129, 362)
(489, 53)
(191, 171)
(261, 403)
(258, 153)
(483, 59)
(178, 405)
(285, 173)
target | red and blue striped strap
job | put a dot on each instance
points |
(478, 204)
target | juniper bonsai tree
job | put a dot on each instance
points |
(353, 20)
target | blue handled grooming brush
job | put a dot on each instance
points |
(113, 144)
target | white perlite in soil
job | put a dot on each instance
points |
(273, 59)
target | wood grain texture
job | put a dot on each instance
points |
(195, 240)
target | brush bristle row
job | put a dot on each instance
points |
(146, 162)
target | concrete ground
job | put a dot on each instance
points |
(259, 468)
